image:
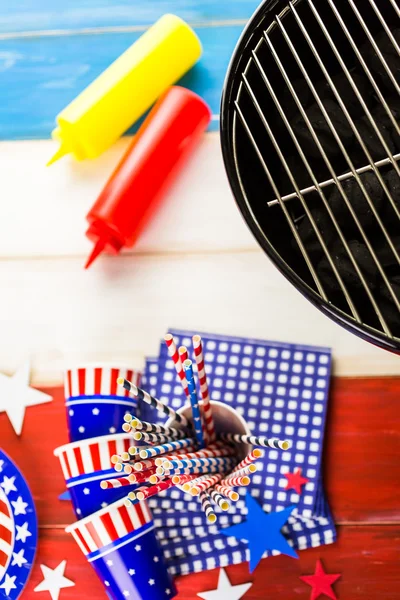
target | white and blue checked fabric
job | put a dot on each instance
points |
(281, 390)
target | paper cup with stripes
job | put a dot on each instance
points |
(226, 420)
(85, 463)
(121, 545)
(95, 403)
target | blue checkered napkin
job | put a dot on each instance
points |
(281, 390)
(197, 545)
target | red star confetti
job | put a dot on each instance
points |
(295, 480)
(321, 582)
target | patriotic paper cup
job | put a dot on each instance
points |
(121, 545)
(226, 420)
(95, 403)
(85, 463)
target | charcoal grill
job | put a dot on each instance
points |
(311, 143)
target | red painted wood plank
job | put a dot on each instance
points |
(362, 449)
(366, 556)
(362, 452)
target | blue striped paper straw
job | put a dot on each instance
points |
(168, 447)
(187, 463)
(197, 420)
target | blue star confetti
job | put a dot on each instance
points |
(262, 531)
(18, 532)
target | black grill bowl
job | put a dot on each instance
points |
(364, 301)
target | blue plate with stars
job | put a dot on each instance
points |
(18, 530)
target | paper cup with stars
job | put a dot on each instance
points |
(18, 530)
(121, 545)
(85, 463)
(95, 403)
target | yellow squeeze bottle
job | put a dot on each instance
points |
(96, 118)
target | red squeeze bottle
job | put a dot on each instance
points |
(134, 190)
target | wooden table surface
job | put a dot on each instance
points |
(56, 313)
(362, 471)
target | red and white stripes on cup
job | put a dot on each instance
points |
(176, 359)
(6, 533)
(109, 525)
(97, 381)
(90, 455)
(207, 409)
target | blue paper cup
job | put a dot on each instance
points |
(120, 544)
(85, 463)
(95, 404)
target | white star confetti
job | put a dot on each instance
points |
(54, 580)
(151, 582)
(132, 572)
(125, 593)
(8, 584)
(81, 429)
(18, 558)
(112, 430)
(107, 583)
(19, 506)
(138, 548)
(86, 491)
(22, 532)
(225, 590)
(110, 563)
(16, 396)
(95, 411)
(8, 484)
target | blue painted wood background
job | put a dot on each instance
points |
(51, 50)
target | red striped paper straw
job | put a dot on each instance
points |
(183, 479)
(146, 492)
(207, 409)
(174, 354)
(205, 453)
(141, 476)
(201, 486)
(183, 353)
(236, 481)
(250, 458)
(117, 482)
(228, 492)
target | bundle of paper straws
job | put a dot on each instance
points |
(191, 455)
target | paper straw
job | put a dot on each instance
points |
(236, 481)
(197, 420)
(146, 492)
(115, 483)
(183, 479)
(207, 408)
(141, 476)
(183, 354)
(249, 470)
(250, 458)
(201, 486)
(205, 453)
(154, 402)
(228, 492)
(142, 465)
(219, 500)
(168, 447)
(255, 440)
(195, 481)
(204, 469)
(187, 463)
(146, 427)
(157, 438)
(173, 352)
(207, 507)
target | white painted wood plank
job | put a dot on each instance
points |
(43, 209)
(54, 311)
